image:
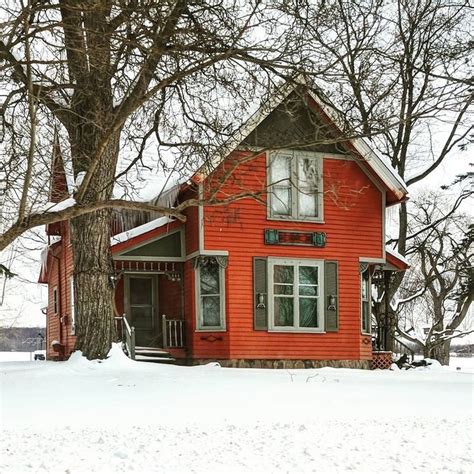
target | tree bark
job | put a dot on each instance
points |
(439, 352)
(92, 271)
(93, 264)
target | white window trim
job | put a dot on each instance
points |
(319, 158)
(295, 262)
(73, 307)
(199, 315)
(54, 297)
(369, 300)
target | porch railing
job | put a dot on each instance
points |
(128, 336)
(173, 332)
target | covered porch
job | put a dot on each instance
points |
(149, 293)
(150, 297)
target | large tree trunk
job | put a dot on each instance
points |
(93, 264)
(439, 352)
(94, 292)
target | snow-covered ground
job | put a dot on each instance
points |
(120, 415)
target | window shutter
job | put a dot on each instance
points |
(260, 299)
(331, 297)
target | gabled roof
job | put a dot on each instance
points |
(362, 147)
(58, 186)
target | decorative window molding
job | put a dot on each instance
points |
(295, 180)
(365, 299)
(201, 260)
(289, 237)
(210, 292)
(296, 295)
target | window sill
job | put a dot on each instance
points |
(298, 331)
(296, 219)
(211, 330)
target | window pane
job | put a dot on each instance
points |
(283, 289)
(283, 311)
(308, 173)
(209, 279)
(365, 288)
(308, 275)
(307, 204)
(141, 291)
(141, 317)
(308, 312)
(283, 274)
(308, 187)
(281, 201)
(280, 169)
(366, 326)
(308, 290)
(211, 311)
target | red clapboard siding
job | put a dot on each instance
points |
(353, 223)
(59, 325)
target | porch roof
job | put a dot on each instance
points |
(140, 230)
(395, 261)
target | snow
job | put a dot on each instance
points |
(55, 206)
(15, 356)
(397, 255)
(142, 229)
(120, 416)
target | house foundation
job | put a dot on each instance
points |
(285, 363)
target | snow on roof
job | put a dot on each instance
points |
(397, 255)
(142, 229)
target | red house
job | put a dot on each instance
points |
(277, 278)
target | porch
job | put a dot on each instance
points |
(149, 300)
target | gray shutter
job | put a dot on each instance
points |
(331, 312)
(260, 299)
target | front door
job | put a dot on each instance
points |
(142, 308)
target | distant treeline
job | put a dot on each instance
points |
(22, 339)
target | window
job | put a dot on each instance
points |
(296, 185)
(295, 291)
(365, 301)
(210, 289)
(73, 309)
(55, 300)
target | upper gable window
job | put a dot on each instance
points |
(295, 180)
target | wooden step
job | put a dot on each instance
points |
(144, 358)
(150, 350)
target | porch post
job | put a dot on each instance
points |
(164, 330)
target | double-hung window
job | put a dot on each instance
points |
(295, 289)
(211, 298)
(295, 183)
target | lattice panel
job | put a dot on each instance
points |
(381, 360)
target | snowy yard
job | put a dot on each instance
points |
(120, 415)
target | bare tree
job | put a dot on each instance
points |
(99, 67)
(437, 296)
(407, 67)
